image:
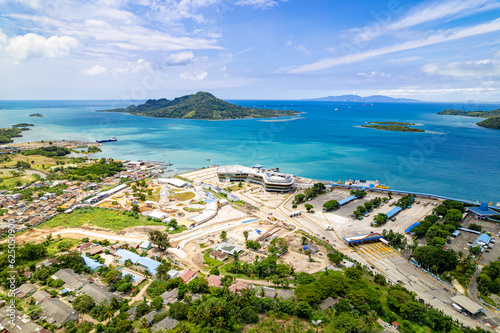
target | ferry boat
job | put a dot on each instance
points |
(113, 139)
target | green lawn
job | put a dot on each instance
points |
(100, 217)
(210, 261)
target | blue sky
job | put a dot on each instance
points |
(250, 49)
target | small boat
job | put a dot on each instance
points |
(336, 109)
(169, 163)
(113, 139)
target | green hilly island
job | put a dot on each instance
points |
(492, 117)
(201, 105)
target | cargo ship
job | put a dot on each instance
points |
(108, 140)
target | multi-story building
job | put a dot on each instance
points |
(271, 179)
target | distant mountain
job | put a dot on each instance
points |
(359, 99)
(201, 105)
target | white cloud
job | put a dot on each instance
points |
(375, 73)
(181, 58)
(258, 3)
(479, 68)
(438, 91)
(33, 45)
(405, 59)
(196, 76)
(94, 70)
(438, 11)
(300, 48)
(130, 67)
(385, 23)
(436, 38)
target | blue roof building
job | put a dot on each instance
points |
(393, 212)
(136, 259)
(484, 239)
(410, 228)
(92, 264)
(483, 210)
(347, 200)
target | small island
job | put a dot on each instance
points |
(36, 115)
(492, 117)
(203, 106)
(390, 123)
(395, 126)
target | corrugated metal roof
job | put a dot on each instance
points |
(393, 212)
(347, 200)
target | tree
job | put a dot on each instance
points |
(304, 310)
(162, 271)
(304, 240)
(331, 205)
(368, 205)
(299, 198)
(281, 244)
(308, 206)
(135, 208)
(236, 255)
(223, 235)
(380, 279)
(413, 310)
(34, 311)
(84, 304)
(142, 309)
(334, 258)
(245, 234)
(380, 219)
(157, 303)
(160, 239)
(353, 273)
(475, 227)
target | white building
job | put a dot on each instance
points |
(272, 180)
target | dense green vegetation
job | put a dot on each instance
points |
(492, 122)
(6, 134)
(434, 257)
(331, 205)
(476, 114)
(488, 281)
(51, 151)
(100, 217)
(201, 105)
(93, 172)
(22, 125)
(390, 123)
(394, 128)
(36, 115)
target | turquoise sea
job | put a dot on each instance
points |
(455, 158)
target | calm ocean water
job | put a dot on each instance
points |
(455, 158)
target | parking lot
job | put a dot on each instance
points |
(462, 242)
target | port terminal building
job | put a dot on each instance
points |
(467, 304)
(271, 179)
(362, 239)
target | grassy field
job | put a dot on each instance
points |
(184, 196)
(103, 218)
(37, 160)
(54, 249)
(10, 182)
